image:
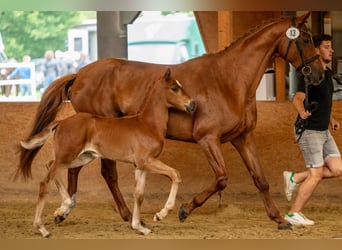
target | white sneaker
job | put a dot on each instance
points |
(298, 219)
(289, 185)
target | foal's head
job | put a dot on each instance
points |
(175, 94)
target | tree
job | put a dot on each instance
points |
(34, 32)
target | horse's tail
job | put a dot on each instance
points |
(47, 110)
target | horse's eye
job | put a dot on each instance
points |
(175, 88)
(306, 40)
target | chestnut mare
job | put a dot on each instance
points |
(223, 84)
(137, 139)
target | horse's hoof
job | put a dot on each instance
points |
(156, 218)
(182, 214)
(144, 231)
(59, 219)
(47, 235)
(285, 226)
(142, 223)
(127, 217)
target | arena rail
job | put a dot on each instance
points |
(5, 82)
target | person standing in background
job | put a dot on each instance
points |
(82, 61)
(50, 68)
(23, 73)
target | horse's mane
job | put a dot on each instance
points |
(263, 25)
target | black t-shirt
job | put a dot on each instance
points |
(322, 94)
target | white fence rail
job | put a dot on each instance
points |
(14, 82)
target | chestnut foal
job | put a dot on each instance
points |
(136, 139)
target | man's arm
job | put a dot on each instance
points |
(298, 102)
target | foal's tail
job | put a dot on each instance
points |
(38, 140)
(35, 143)
(49, 105)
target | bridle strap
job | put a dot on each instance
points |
(293, 24)
(306, 72)
(306, 62)
(300, 51)
(288, 49)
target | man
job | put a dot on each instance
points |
(320, 152)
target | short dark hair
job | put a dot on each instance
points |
(318, 39)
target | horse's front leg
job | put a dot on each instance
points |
(140, 180)
(109, 173)
(245, 145)
(211, 146)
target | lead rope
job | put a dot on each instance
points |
(300, 123)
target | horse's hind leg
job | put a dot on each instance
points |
(72, 182)
(140, 180)
(211, 146)
(43, 190)
(109, 173)
(247, 149)
(155, 166)
(67, 202)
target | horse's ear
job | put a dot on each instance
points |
(302, 19)
(167, 75)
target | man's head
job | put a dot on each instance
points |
(324, 48)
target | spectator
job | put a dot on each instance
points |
(82, 61)
(50, 68)
(23, 73)
(61, 63)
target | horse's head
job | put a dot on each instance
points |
(175, 94)
(297, 47)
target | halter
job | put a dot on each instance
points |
(293, 34)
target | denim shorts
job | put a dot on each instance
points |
(317, 147)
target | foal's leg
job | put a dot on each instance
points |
(109, 173)
(67, 202)
(246, 146)
(43, 190)
(157, 167)
(72, 182)
(140, 180)
(67, 205)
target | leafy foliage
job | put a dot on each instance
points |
(34, 32)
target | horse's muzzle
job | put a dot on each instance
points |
(191, 107)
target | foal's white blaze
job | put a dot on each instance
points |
(179, 84)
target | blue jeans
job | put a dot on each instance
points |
(25, 88)
(48, 80)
